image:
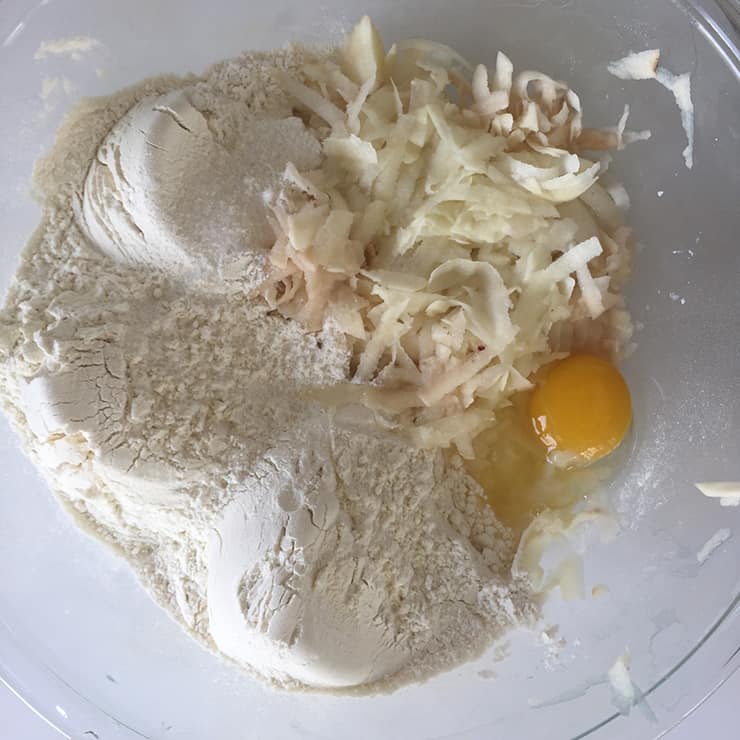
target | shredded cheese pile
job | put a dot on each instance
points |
(454, 231)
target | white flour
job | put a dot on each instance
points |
(164, 192)
(173, 422)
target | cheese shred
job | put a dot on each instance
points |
(455, 231)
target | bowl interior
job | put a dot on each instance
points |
(83, 643)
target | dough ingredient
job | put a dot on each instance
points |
(581, 409)
(73, 47)
(643, 65)
(163, 192)
(728, 492)
(173, 418)
(462, 240)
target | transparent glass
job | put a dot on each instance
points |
(84, 645)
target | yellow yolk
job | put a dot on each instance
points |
(582, 408)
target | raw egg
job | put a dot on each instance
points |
(581, 410)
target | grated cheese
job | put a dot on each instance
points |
(452, 239)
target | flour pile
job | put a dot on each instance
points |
(170, 410)
(164, 192)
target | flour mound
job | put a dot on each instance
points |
(361, 558)
(164, 193)
(172, 416)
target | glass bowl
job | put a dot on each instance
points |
(82, 643)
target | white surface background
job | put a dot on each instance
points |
(718, 718)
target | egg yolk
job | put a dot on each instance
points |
(581, 409)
